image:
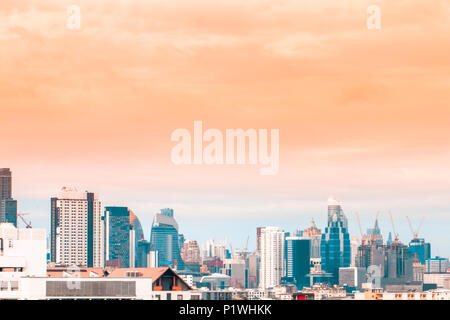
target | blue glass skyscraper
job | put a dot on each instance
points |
(335, 247)
(164, 239)
(297, 257)
(123, 232)
(422, 249)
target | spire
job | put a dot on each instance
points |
(313, 224)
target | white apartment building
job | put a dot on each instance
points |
(272, 251)
(77, 229)
(22, 256)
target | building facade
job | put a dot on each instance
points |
(123, 233)
(272, 252)
(297, 259)
(8, 206)
(77, 229)
(164, 239)
(335, 245)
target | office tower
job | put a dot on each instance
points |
(142, 253)
(371, 255)
(335, 244)
(8, 206)
(272, 251)
(164, 238)
(123, 231)
(354, 244)
(253, 261)
(437, 265)
(77, 229)
(418, 269)
(5, 184)
(297, 259)
(190, 253)
(374, 234)
(258, 239)
(352, 278)
(399, 264)
(421, 248)
(236, 269)
(315, 235)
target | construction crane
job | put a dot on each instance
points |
(415, 232)
(21, 216)
(363, 236)
(393, 229)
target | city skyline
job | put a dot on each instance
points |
(193, 231)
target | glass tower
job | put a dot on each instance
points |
(123, 234)
(420, 248)
(164, 239)
(297, 255)
(335, 245)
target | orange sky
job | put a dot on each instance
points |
(363, 114)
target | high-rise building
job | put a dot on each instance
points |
(123, 231)
(421, 248)
(315, 236)
(77, 229)
(258, 240)
(374, 234)
(335, 245)
(352, 277)
(5, 184)
(272, 251)
(164, 238)
(437, 265)
(399, 264)
(354, 244)
(190, 253)
(8, 206)
(297, 259)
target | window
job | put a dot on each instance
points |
(180, 297)
(195, 297)
(4, 286)
(15, 285)
(169, 296)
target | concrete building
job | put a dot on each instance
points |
(77, 229)
(352, 277)
(314, 234)
(22, 256)
(237, 270)
(272, 251)
(437, 265)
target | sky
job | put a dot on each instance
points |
(363, 115)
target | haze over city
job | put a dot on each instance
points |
(363, 115)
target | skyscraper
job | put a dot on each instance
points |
(335, 245)
(374, 234)
(422, 249)
(5, 184)
(164, 238)
(315, 235)
(297, 258)
(77, 229)
(123, 232)
(8, 206)
(272, 251)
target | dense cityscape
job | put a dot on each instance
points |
(93, 251)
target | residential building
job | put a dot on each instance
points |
(77, 229)
(272, 251)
